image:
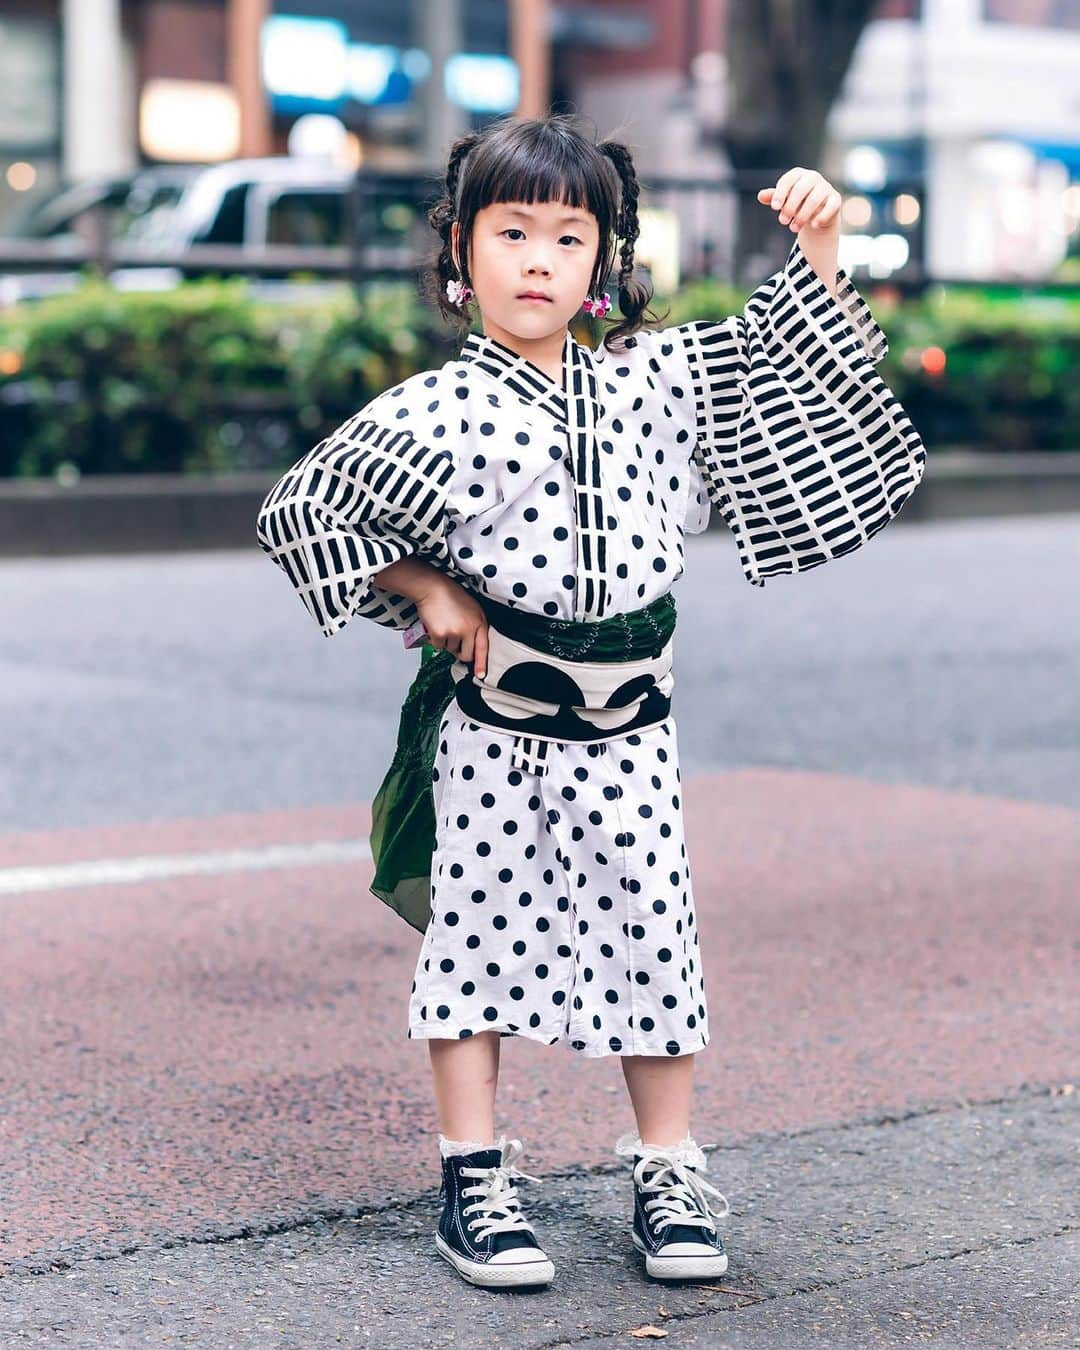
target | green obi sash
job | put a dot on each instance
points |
(403, 810)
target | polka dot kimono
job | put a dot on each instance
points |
(562, 901)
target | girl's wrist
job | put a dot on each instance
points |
(434, 582)
(411, 577)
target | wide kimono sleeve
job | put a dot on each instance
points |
(363, 498)
(800, 444)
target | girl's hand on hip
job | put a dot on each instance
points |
(455, 622)
(804, 199)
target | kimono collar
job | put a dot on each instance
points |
(528, 381)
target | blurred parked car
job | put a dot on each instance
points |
(263, 216)
(133, 207)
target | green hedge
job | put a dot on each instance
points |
(198, 379)
(204, 378)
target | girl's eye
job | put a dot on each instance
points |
(513, 229)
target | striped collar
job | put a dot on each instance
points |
(527, 380)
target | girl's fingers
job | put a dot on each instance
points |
(466, 646)
(480, 647)
(830, 209)
(810, 206)
(795, 200)
(800, 197)
(784, 185)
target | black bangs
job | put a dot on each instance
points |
(540, 165)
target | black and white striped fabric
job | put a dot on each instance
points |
(364, 498)
(591, 594)
(801, 445)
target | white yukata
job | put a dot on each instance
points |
(562, 905)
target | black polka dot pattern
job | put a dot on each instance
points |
(562, 905)
(518, 522)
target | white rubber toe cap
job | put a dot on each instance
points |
(516, 1256)
(694, 1249)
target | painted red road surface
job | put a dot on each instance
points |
(220, 1054)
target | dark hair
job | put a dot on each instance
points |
(542, 159)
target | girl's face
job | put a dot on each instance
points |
(544, 247)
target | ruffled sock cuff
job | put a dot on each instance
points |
(451, 1146)
(686, 1151)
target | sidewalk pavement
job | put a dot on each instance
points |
(955, 1227)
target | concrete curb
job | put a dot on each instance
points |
(120, 513)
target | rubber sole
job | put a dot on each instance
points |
(681, 1267)
(521, 1273)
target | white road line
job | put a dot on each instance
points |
(107, 871)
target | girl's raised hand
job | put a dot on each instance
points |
(804, 199)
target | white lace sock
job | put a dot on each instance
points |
(685, 1151)
(449, 1146)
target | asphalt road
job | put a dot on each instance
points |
(213, 1132)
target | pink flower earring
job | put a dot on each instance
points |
(597, 308)
(457, 292)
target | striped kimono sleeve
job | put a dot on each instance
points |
(363, 498)
(801, 445)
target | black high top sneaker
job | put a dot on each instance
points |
(482, 1231)
(674, 1226)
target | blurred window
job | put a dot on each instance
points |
(29, 114)
(77, 213)
(305, 218)
(227, 227)
(389, 219)
(148, 213)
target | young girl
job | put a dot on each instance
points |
(523, 507)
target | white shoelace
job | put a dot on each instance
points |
(496, 1210)
(681, 1194)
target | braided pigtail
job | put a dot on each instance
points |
(442, 266)
(634, 295)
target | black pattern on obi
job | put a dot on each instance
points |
(531, 691)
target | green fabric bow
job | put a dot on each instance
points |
(403, 810)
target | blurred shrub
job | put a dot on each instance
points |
(198, 379)
(1008, 380)
(204, 378)
(344, 358)
(119, 382)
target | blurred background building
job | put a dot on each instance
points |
(962, 109)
